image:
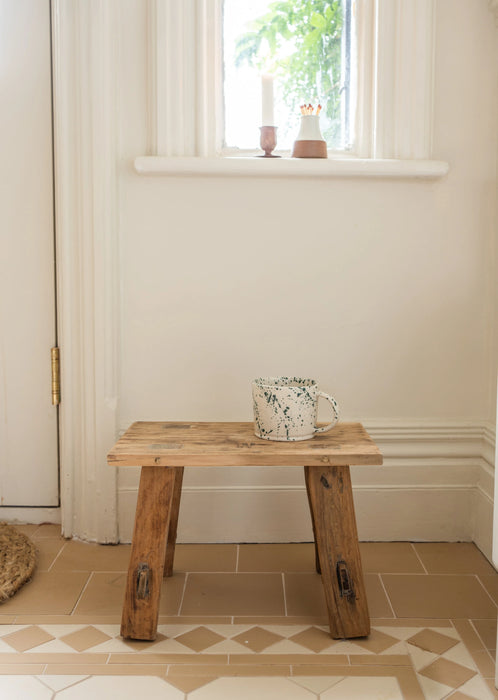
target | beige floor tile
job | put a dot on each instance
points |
(199, 557)
(282, 620)
(438, 596)
(229, 670)
(85, 556)
(277, 557)
(199, 639)
(486, 629)
(378, 603)
(24, 669)
(490, 683)
(359, 670)
(86, 638)
(361, 688)
(40, 619)
(304, 595)
(47, 530)
(27, 638)
(60, 682)
(195, 620)
(432, 641)
(320, 669)
(410, 622)
(290, 648)
(447, 673)
(468, 635)
(257, 600)
(189, 683)
(490, 583)
(316, 684)
(313, 638)
(461, 655)
(389, 558)
(380, 660)
(48, 593)
(485, 663)
(235, 594)
(376, 642)
(47, 550)
(257, 639)
(104, 595)
(250, 688)
(52, 657)
(457, 695)
(175, 658)
(453, 558)
(140, 645)
(123, 688)
(23, 687)
(293, 659)
(409, 685)
(106, 670)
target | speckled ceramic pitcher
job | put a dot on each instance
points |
(285, 408)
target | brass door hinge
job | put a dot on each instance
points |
(56, 377)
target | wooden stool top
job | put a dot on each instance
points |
(149, 444)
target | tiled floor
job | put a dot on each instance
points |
(248, 621)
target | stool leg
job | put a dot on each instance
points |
(173, 522)
(317, 559)
(331, 500)
(145, 572)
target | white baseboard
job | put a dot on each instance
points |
(30, 515)
(482, 505)
(282, 515)
(435, 485)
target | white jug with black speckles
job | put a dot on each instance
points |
(285, 408)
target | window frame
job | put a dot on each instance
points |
(347, 118)
(395, 43)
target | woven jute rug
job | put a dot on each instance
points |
(17, 560)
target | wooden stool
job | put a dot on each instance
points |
(163, 449)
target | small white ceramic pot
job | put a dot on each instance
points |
(310, 128)
(310, 142)
(285, 408)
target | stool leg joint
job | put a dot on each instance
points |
(346, 587)
(142, 581)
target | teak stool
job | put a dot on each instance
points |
(163, 449)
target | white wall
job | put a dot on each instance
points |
(382, 290)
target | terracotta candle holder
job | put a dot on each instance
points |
(268, 141)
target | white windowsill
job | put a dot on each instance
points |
(291, 167)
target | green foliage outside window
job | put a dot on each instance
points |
(299, 41)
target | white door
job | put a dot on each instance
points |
(28, 421)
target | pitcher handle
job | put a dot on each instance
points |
(335, 408)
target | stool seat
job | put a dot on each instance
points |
(163, 449)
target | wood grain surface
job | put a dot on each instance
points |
(173, 522)
(334, 524)
(145, 571)
(177, 444)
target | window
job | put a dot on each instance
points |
(305, 46)
(393, 116)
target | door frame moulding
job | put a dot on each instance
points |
(86, 216)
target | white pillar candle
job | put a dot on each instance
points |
(267, 118)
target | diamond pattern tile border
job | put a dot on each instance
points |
(182, 653)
